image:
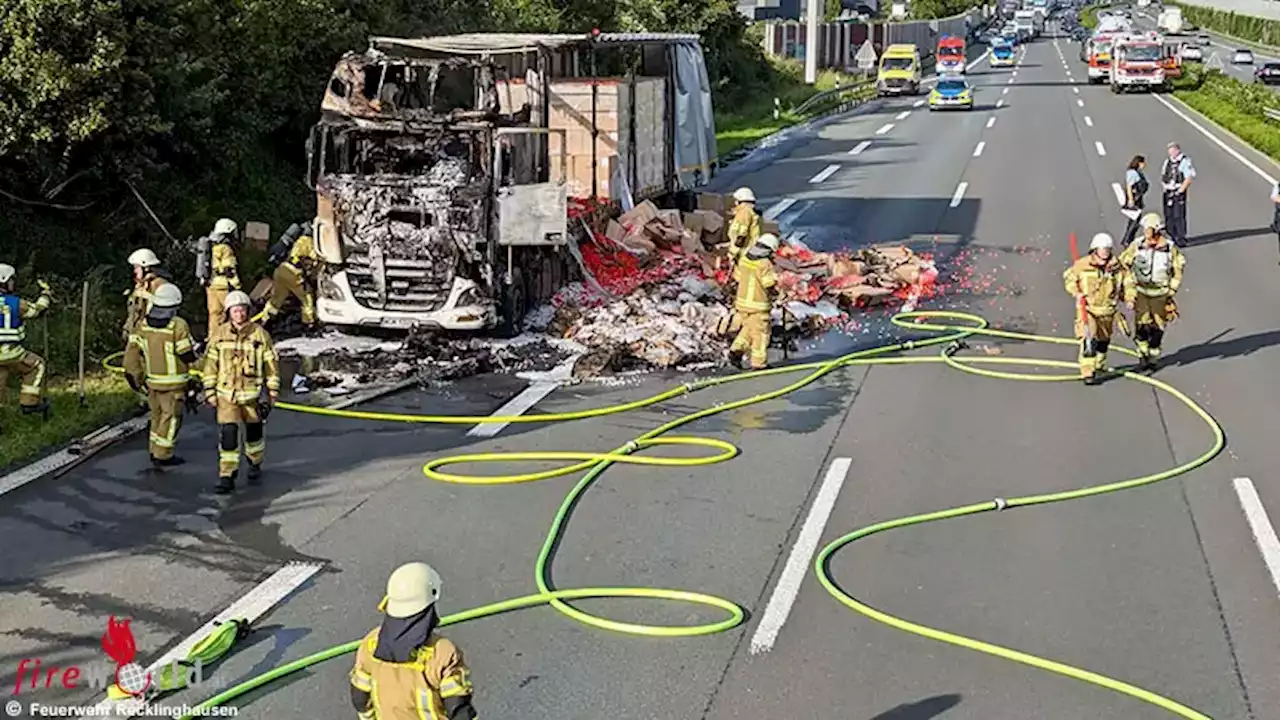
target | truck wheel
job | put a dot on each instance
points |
(515, 303)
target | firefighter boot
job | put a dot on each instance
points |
(735, 358)
(226, 484)
(172, 461)
(41, 408)
(255, 474)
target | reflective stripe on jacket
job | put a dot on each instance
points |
(156, 353)
(225, 271)
(140, 299)
(303, 256)
(237, 364)
(14, 312)
(415, 690)
(1101, 286)
(1153, 271)
(755, 278)
(744, 229)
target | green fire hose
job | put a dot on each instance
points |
(951, 336)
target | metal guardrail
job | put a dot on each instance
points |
(857, 93)
(1271, 114)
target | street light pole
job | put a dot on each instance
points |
(811, 42)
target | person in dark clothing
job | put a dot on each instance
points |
(1176, 177)
(1135, 190)
(1275, 219)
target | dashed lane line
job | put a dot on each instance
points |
(1101, 150)
(903, 115)
(827, 172)
(1004, 91)
(1119, 192)
(959, 194)
(977, 152)
(530, 396)
(884, 128)
(778, 208)
(794, 572)
(990, 122)
(1088, 121)
(918, 103)
(1264, 533)
(1000, 102)
(1080, 102)
(857, 149)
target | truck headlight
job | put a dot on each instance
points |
(329, 290)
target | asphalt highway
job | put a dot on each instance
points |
(1164, 587)
(1222, 47)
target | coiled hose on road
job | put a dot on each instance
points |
(595, 464)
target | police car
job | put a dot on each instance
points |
(1002, 53)
(952, 91)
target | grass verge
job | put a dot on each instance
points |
(1232, 104)
(752, 120)
(23, 439)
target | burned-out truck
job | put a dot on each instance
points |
(444, 167)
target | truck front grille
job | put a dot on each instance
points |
(405, 285)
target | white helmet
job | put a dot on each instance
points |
(7, 272)
(744, 194)
(143, 258)
(236, 298)
(412, 588)
(1152, 221)
(167, 295)
(1101, 240)
(768, 240)
(225, 226)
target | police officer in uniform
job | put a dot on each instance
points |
(403, 669)
(1176, 176)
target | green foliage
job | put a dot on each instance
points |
(1234, 105)
(934, 9)
(752, 118)
(1244, 27)
(107, 399)
(1089, 16)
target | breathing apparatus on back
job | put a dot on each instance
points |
(280, 251)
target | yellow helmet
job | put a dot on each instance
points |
(1152, 221)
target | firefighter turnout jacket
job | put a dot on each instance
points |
(139, 302)
(755, 279)
(415, 690)
(1101, 286)
(744, 229)
(238, 364)
(1154, 271)
(14, 312)
(160, 357)
(226, 274)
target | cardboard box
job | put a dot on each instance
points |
(258, 234)
(713, 202)
(639, 216)
(690, 241)
(671, 218)
(693, 222)
(712, 221)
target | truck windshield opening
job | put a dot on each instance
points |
(369, 153)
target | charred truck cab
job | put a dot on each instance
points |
(444, 167)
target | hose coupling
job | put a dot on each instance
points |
(909, 345)
(688, 387)
(954, 347)
(1001, 504)
(630, 447)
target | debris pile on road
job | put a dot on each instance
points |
(658, 285)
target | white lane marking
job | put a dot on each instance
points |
(1119, 191)
(1004, 91)
(903, 115)
(1000, 102)
(797, 567)
(787, 219)
(1264, 533)
(990, 122)
(827, 172)
(70, 456)
(1010, 81)
(1230, 150)
(918, 103)
(1101, 150)
(1015, 73)
(250, 607)
(530, 396)
(1079, 102)
(977, 152)
(778, 208)
(959, 195)
(1075, 90)
(884, 128)
(1088, 121)
(857, 149)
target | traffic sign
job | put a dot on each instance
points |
(866, 57)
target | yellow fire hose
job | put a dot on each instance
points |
(595, 463)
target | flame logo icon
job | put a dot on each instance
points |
(117, 643)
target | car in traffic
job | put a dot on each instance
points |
(1191, 53)
(1204, 40)
(951, 92)
(1268, 74)
(1243, 56)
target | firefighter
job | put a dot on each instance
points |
(224, 277)
(755, 278)
(295, 275)
(403, 669)
(157, 362)
(1098, 279)
(1154, 267)
(148, 276)
(242, 381)
(744, 228)
(14, 312)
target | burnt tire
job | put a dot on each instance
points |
(515, 303)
